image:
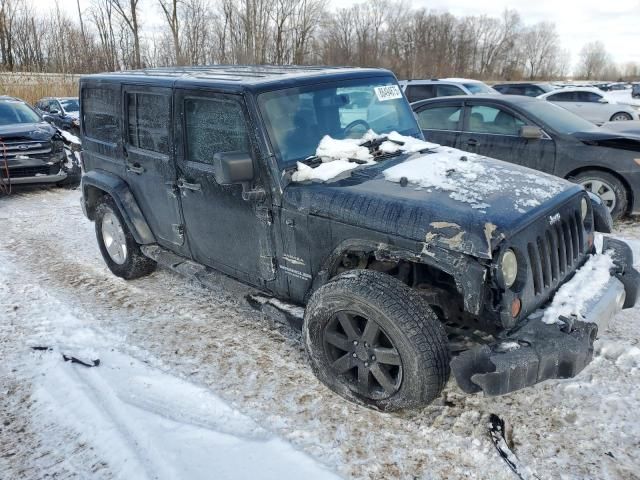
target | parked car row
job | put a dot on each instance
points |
(32, 148)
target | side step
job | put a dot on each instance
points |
(279, 311)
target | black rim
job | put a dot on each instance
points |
(363, 355)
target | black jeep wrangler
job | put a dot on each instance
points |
(314, 186)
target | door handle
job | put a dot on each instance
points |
(195, 187)
(135, 168)
(472, 142)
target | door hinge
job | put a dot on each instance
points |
(178, 229)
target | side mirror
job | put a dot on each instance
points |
(233, 167)
(531, 132)
(603, 100)
(54, 112)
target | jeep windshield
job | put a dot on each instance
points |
(298, 118)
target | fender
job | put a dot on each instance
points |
(601, 216)
(97, 182)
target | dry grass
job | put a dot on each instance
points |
(31, 87)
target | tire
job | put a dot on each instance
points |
(620, 116)
(129, 263)
(608, 187)
(412, 366)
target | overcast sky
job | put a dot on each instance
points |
(614, 22)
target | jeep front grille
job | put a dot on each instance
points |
(553, 255)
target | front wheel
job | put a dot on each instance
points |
(608, 187)
(375, 342)
(119, 249)
(620, 117)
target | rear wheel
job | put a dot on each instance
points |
(620, 116)
(375, 342)
(608, 187)
(119, 249)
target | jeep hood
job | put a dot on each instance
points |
(470, 208)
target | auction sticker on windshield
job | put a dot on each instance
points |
(388, 92)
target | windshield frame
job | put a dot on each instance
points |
(320, 85)
(28, 108)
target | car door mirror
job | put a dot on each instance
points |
(233, 167)
(603, 100)
(53, 111)
(531, 132)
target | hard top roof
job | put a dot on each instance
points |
(261, 77)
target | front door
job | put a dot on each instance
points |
(149, 162)
(224, 231)
(494, 131)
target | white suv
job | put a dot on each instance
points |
(416, 90)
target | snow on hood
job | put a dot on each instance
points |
(467, 177)
(336, 154)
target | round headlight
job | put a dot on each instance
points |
(584, 208)
(509, 267)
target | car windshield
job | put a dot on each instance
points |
(559, 119)
(17, 112)
(478, 88)
(70, 104)
(298, 118)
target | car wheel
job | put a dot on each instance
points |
(118, 247)
(608, 187)
(620, 116)
(375, 342)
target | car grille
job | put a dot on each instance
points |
(25, 147)
(19, 172)
(555, 253)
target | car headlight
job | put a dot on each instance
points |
(584, 208)
(509, 268)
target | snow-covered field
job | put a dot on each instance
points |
(194, 384)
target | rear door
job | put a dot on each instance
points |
(441, 122)
(494, 131)
(149, 163)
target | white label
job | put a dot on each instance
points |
(388, 92)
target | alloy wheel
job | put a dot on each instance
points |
(363, 355)
(114, 238)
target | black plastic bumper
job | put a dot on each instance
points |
(537, 351)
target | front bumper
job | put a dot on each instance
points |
(536, 351)
(39, 179)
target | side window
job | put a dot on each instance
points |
(43, 105)
(562, 97)
(54, 106)
(589, 97)
(448, 90)
(213, 126)
(440, 118)
(485, 119)
(419, 92)
(100, 114)
(532, 91)
(148, 121)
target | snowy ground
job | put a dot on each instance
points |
(194, 384)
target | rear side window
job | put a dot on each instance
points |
(562, 97)
(440, 118)
(448, 90)
(419, 92)
(213, 126)
(100, 114)
(590, 97)
(148, 121)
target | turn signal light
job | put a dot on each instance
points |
(516, 305)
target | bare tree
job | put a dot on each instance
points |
(593, 60)
(129, 14)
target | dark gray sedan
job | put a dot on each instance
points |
(540, 135)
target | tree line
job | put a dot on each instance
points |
(414, 42)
